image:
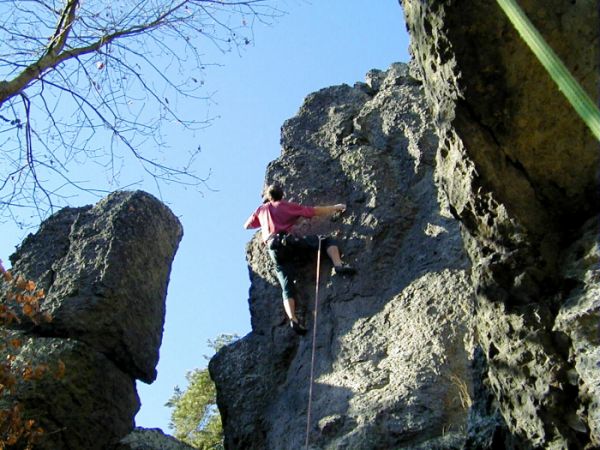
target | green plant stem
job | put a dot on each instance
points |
(579, 99)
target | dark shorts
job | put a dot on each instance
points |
(284, 250)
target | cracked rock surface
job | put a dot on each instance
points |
(392, 365)
(105, 270)
(520, 171)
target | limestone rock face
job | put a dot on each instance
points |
(392, 365)
(105, 271)
(151, 439)
(90, 407)
(520, 171)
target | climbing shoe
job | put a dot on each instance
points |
(299, 329)
(344, 269)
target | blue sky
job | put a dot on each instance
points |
(315, 45)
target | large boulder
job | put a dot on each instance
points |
(520, 171)
(105, 270)
(81, 401)
(392, 354)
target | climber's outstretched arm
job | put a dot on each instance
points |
(252, 221)
(329, 210)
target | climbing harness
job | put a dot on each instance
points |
(314, 343)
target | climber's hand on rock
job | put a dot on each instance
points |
(340, 207)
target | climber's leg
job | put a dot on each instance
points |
(334, 254)
(285, 273)
(289, 304)
(333, 251)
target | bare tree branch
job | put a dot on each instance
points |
(100, 82)
(65, 22)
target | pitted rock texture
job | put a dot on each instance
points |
(91, 406)
(105, 270)
(520, 171)
(579, 320)
(393, 343)
(151, 439)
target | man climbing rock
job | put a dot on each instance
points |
(276, 218)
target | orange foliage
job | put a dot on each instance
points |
(21, 301)
(15, 429)
(59, 373)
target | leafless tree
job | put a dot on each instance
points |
(98, 81)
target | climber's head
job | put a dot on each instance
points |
(272, 193)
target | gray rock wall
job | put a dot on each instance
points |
(151, 439)
(392, 365)
(105, 271)
(520, 171)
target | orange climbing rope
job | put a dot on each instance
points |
(314, 344)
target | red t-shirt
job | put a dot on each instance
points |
(273, 217)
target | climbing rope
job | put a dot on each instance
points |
(314, 344)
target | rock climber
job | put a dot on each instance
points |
(276, 218)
